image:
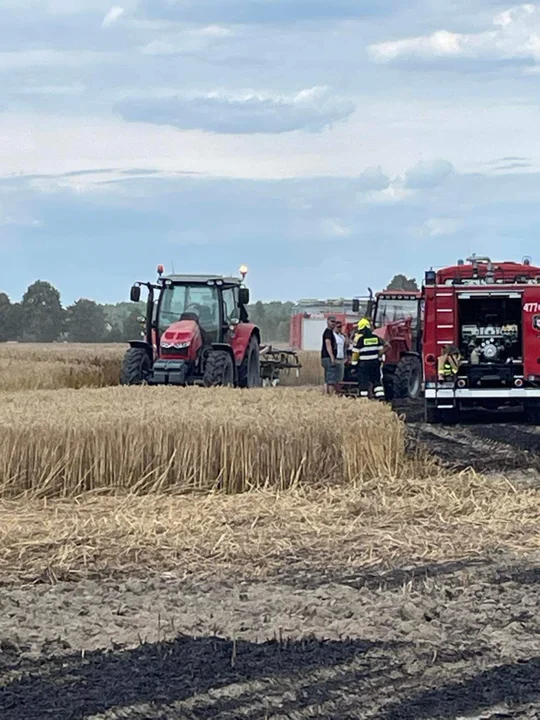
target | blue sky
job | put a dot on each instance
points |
(326, 144)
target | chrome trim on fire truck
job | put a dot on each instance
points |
(495, 393)
(494, 293)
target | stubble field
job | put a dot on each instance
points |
(173, 553)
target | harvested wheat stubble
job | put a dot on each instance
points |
(59, 444)
(382, 523)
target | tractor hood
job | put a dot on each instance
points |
(181, 339)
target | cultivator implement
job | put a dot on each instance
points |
(275, 363)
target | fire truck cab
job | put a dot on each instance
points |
(481, 339)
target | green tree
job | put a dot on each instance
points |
(85, 322)
(402, 282)
(6, 318)
(273, 320)
(115, 334)
(42, 313)
(132, 328)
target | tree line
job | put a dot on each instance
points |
(41, 317)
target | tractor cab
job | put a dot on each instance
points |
(215, 304)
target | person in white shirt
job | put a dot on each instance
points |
(341, 349)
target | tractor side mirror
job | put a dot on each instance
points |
(356, 305)
(243, 296)
(135, 294)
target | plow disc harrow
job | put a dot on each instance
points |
(276, 363)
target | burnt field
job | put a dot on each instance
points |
(449, 640)
(485, 444)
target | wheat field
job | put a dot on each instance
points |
(36, 366)
(65, 442)
(96, 478)
(33, 366)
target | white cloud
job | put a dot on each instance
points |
(427, 174)
(212, 31)
(249, 112)
(29, 143)
(193, 40)
(332, 228)
(441, 226)
(515, 37)
(114, 14)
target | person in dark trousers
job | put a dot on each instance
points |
(368, 350)
(329, 357)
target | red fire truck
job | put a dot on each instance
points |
(481, 339)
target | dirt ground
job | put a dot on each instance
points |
(458, 639)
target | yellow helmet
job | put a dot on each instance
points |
(363, 324)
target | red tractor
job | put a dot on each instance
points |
(197, 332)
(396, 317)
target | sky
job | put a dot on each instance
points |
(327, 144)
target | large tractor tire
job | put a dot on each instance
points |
(249, 372)
(136, 367)
(219, 370)
(408, 378)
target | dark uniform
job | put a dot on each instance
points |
(367, 359)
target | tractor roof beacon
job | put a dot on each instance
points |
(196, 332)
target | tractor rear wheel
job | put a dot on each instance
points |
(136, 367)
(408, 378)
(219, 369)
(249, 372)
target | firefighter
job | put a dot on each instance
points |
(368, 350)
(448, 363)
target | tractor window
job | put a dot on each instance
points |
(200, 300)
(392, 309)
(230, 305)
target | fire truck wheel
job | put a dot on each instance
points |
(249, 372)
(219, 370)
(136, 367)
(408, 378)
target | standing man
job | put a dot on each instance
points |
(368, 350)
(329, 357)
(341, 350)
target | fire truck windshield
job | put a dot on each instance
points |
(392, 309)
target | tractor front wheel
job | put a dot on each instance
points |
(219, 369)
(136, 367)
(408, 378)
(249, 372)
